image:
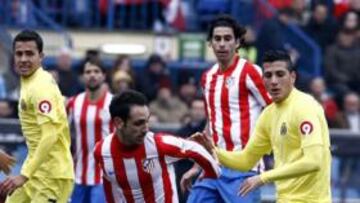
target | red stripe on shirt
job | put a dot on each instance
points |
(225, 113)
(99, 162)
(166, 180)
(256, 77)
(244, 107)
(212, 108)
(203, 83)
(98, 131)
(84, 149)
(145, 178)
(174, 151)
(108, 191)
(70, 112)
(119, 167)
(70, 104)
(225, 106)
(168, 192)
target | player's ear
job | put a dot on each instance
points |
(42, 55)
(293, 77)
(238, 42)
(118, 122)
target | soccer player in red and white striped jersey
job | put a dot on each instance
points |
(89, 112)
(234, 96)
(137, 163)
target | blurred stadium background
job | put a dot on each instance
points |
(159, 47)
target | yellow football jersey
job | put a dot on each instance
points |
(297, 133)
(292, 125)
(40, 102)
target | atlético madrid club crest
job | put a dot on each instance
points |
(229, 81)
(148, 165)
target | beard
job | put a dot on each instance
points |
(93, 88)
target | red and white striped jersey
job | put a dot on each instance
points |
(92, 122)
(234, 100)
(146, 173)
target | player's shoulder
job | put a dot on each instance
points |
(165, 139)
(78, 96)
(306, 104)
(250, 65)
(45, 75)
(109, 96)
(211, 70)
(45, 80)
(104, 145)
(268, 111)
(304, 99)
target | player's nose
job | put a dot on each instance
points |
(274, 80)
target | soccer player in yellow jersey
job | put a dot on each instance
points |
(47, 173)
(294, 128)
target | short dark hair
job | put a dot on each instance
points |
(92, 62)
(225, 20)
(121, 104)
(278, 55)
(29, 35)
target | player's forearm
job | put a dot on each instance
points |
(237, 160)
(47, 141)
(204, 160)
(310, 162)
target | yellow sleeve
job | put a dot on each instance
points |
(309, 162)
(48, 139)
(258, 145)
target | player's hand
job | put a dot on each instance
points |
(203, 140)
(6, 162)
(206, 142)
(187, 178)
(11, 183)
(250, 184)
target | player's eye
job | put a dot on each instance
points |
(267, 75)
(139, 122)
(228, 38)
(280, 73)
(217, 38)
(29, 53)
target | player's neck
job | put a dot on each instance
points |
(94, 95)
(124, 144)
(224, 65)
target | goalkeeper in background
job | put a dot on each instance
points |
(47, 173)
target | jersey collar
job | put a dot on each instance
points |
(33, 75)
(230, 68)
(288, 99)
